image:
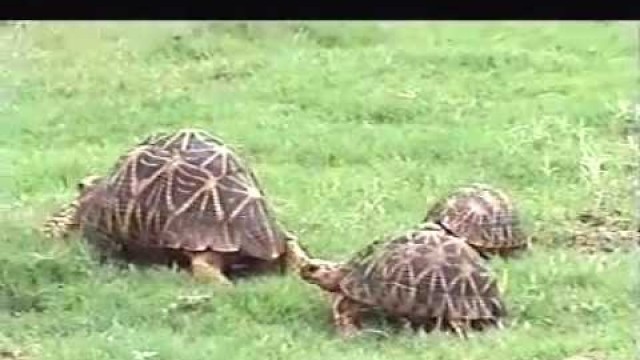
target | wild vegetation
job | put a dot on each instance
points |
(354, 129)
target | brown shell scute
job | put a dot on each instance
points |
(186, 190)
(425, 275)
(484, 215)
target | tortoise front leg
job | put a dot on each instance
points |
(207, 266)
(67, 219)
(460, 327)
(346, 315)
(62, 222)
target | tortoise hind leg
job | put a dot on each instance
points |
(207, 266)
(460, 328)
(346, 315)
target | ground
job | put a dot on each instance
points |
(354, 129)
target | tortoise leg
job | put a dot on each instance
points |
(62, 222)
(460, 328)
(66, 219)
(207, 266)
(346, 315)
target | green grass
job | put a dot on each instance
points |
(354, 129)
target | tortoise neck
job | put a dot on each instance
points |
(334, 277)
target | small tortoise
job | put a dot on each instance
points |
(182, 197)
(425, 278)
(485, 216)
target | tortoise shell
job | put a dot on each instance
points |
(425, 275)
(182, 190)
(485, 216)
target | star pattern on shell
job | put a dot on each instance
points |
(424, 276)
(485, 216)
(182, 190)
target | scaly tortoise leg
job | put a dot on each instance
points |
(65, 220)
(460, 327)
(207, 266)
(62, 222)
(346, 315)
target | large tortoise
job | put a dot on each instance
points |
(180, 197)
(424, 278)
(485, 216)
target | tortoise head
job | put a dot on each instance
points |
(325, 274)
(88, 182)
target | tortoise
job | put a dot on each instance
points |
(485, 216)
(425, 278)
(181, 197)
